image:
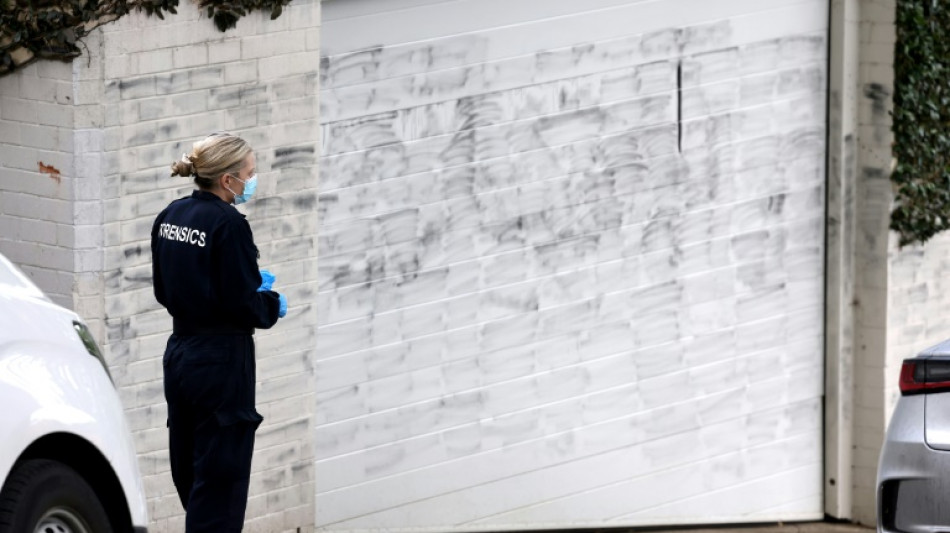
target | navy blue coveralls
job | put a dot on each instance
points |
(205, 273)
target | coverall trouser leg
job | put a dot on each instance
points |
(209, 388)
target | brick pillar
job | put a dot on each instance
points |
(873, 245)
(840, 271)
(871, 322)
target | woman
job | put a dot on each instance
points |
(205, 273)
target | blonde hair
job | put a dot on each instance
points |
(212, 157)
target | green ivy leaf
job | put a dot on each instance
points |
(52, 28)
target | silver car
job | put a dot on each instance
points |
(913, 476)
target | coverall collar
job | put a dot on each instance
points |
(199, 194)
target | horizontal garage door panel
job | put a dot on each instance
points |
(521, 27)
(417, 74)
(571, 263)
(616, 479)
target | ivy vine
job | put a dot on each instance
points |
(921, 120)
(53, 29)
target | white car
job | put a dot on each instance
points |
(67, 461)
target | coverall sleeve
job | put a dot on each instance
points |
(241, 278)
(158, 287)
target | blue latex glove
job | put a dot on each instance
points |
(283, 305)
(268, 282)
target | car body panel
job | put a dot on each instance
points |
(49, 383)
(937, 421)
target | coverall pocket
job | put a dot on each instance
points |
(235, 442)
(209, 378)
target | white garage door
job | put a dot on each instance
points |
(571, 263)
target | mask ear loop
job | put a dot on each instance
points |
(236, 178)
(229, 188)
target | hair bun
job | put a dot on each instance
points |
(184, 167)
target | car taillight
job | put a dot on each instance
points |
(921, 377)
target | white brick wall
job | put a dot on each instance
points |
(112, 122)
(37, 179)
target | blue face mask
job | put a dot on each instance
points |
(249, 187)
